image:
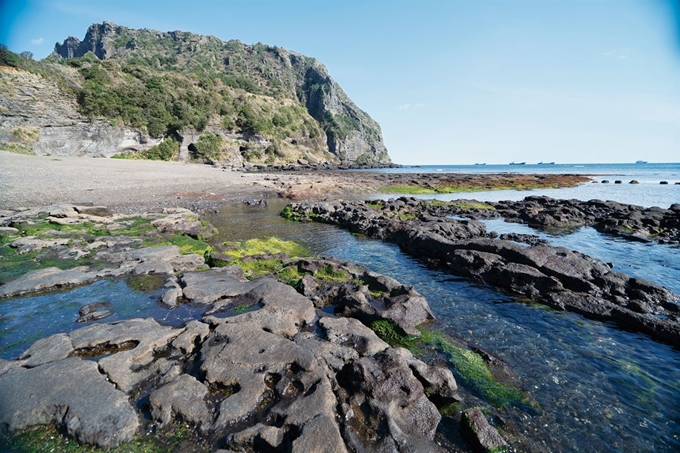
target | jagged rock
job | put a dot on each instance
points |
(153, 260)
(180, 220)
(555, 276)
(46, 279)
(384, 387)
(72, 394)
(333, 354)
(182, 399)
(194, 334)
(480, 433)
(320, 434)
(8, 231)
(172, 294)
(213, 285)
(93, 312)
(241, 355)
(610, 217)
(352, 333)
(438, 382)
(31, 244)
(6, 365)
(257, 438)
(98, 211)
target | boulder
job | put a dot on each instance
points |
(478, 431)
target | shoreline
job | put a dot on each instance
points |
(129, 186)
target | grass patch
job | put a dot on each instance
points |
(375, 204)
(134, 226)
(330, 275)
(256, 268)
(47, 439)
(468, 205)
(290, 276)
(17, 148)
(188, 245)
(405, 215)
(410, 190)
(266, 246)
(468, 365)
(450, 410)
(290, 214)
(14, 265)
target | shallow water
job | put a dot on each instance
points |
(599, 388)
(24, 320)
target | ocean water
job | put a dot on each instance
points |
(649, 191)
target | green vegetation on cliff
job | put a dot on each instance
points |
(166, 83)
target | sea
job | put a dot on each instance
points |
(649, 191)
(597, 388)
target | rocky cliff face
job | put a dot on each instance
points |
(36, 116)
(351, 134)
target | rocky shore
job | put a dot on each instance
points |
(631, 222)
(288, 353)
(150, 186)
(519, 264)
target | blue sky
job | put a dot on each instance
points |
(449, 81)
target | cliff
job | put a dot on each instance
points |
(224, 101)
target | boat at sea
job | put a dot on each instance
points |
(480, 163)
(517, 163)
(640, 161)
(546, 163)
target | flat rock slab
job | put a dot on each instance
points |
(210, 286)
(125, 368)
(46, 279)
(71, 393)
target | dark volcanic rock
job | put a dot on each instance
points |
(561, 278)
(480, 433)
(610, 217)
(275, 378)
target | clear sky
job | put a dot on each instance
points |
(449, 81)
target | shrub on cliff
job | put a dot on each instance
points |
(208, 146)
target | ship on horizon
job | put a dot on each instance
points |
(546, 163)
(517, 163)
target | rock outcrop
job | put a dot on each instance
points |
(555, 276)
(284, 375)
(352, 135)
(637, 223)
(40, 117)
(267, 105)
